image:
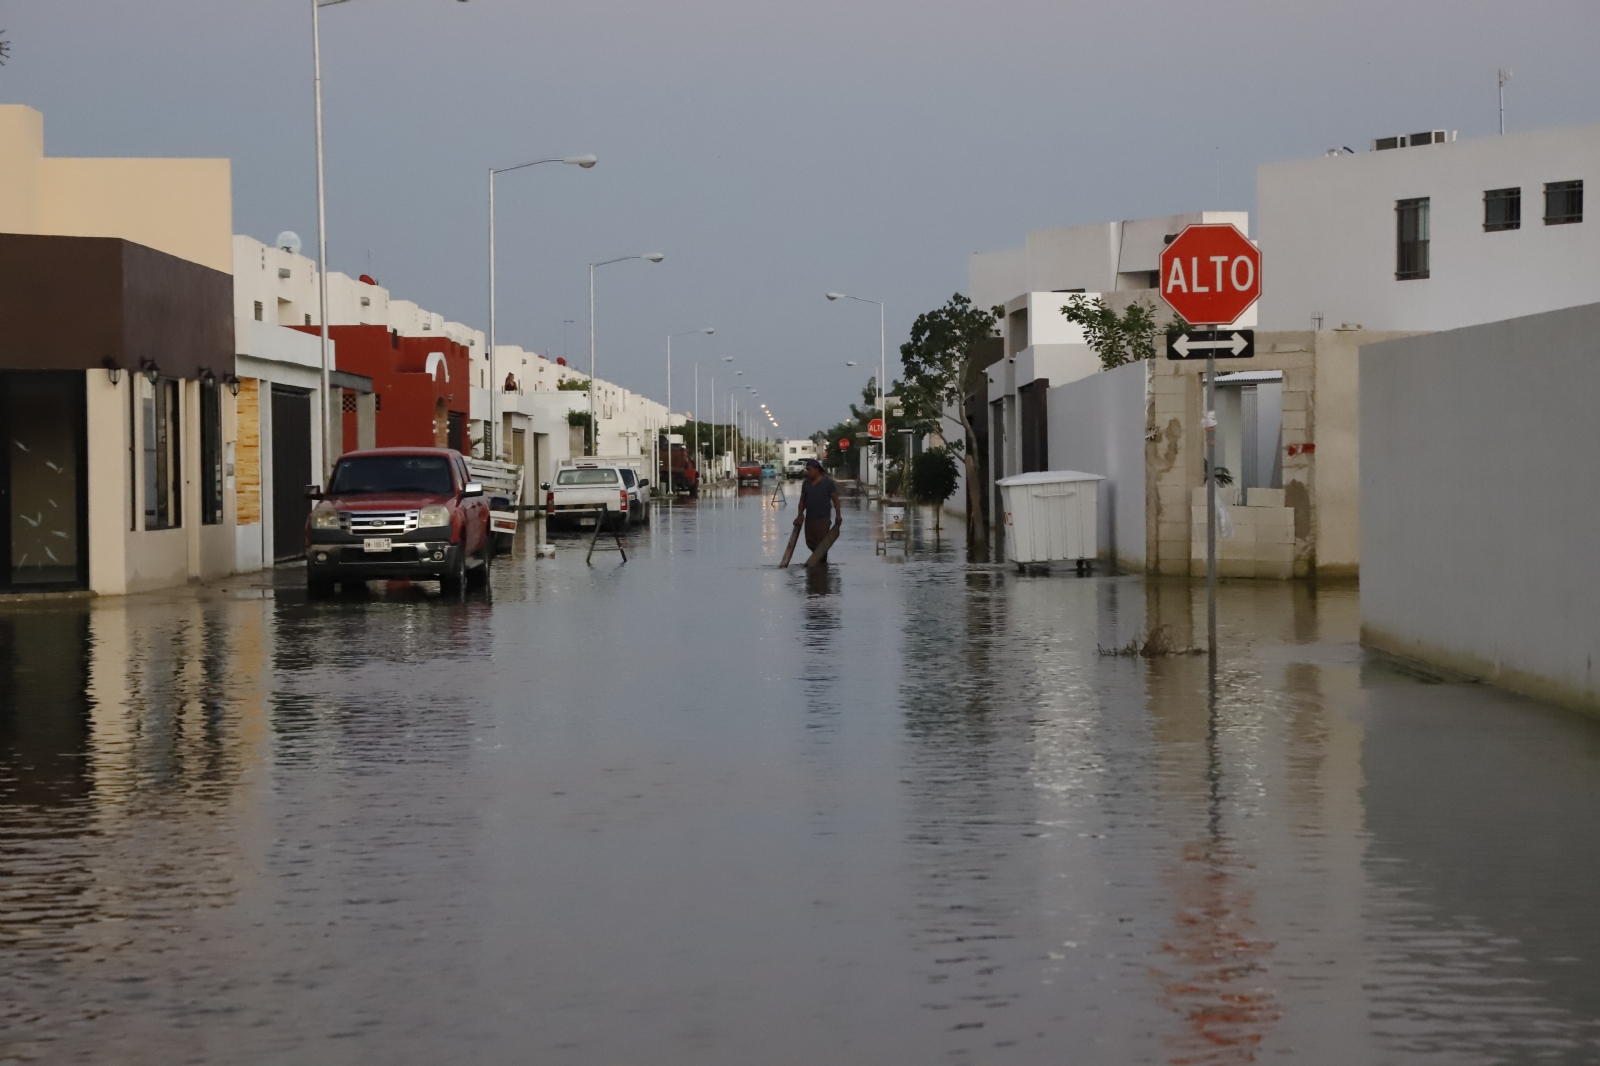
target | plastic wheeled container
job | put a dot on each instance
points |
(1051, 516)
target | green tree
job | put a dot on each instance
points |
(1119, 339)
(573, 385)
(933, 479)
(941, 369)
(581, 418)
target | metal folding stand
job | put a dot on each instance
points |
(599, 525)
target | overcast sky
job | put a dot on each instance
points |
(773, 151)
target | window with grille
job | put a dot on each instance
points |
(1502, 209)
(349, 402)
(210, 453)
(259, 310)
(1411, 239)
(1563, 202)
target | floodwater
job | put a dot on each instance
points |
(692, 809)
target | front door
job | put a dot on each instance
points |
(291, 470)
(44, 534)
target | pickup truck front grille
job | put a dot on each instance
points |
(377, 523)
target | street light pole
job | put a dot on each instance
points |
(667, 464)
(584, 161)
(322, 234)
(326, 399)
(883, 367)
(594, 425)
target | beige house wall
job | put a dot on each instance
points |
(21, 149)
(183, 207)
(1321, 455)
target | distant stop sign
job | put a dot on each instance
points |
(844, 444)
(875, 428)
(1211, 274)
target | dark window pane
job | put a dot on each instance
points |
(1563, 202)
(210, 453)
(1502, 209)
(1411, 238)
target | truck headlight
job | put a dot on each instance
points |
(324, 518)
(433, 515)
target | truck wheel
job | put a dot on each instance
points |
(479, 578)
(453, 582)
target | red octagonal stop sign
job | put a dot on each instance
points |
(1211, 274)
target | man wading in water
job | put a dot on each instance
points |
(818, 497)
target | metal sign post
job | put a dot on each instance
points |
(1210, 275)
(1211, 503)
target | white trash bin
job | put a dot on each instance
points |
(1052, 516)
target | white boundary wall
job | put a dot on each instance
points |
(1480, 501)
(1097, 426)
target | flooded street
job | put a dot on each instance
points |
(693, 809)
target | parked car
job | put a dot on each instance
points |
(750, 473)
(588, 492)
(794, 468)
(769, 469)
(411, 513)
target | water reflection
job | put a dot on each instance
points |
(695, 809)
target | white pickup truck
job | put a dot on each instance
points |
(588, 490)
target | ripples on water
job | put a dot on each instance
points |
(693, 809)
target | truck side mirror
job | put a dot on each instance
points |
(644, 483)
(472, 488)
(545, 487)
(313, 492)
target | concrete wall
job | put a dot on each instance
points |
(1327, 234)
(1320, 440)
(1479, 497)
(1097, 426)
(183, 207)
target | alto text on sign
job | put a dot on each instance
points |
(1210, 274)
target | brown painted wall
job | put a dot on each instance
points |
(78, 303)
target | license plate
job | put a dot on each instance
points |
(585, 521)
(377, 544)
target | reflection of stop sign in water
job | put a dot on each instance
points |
(1211, 274)
(844, 445)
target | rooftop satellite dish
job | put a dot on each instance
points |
(289, 241)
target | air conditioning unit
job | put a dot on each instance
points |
(1411, 140)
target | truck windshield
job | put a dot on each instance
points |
(392, 473)
(586, 477)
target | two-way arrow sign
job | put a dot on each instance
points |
(1197, 344)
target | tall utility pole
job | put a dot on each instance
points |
(322, 242)
(1505, 76)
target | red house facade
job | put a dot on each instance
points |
(422, 385)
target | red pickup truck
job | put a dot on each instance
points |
(749, 472)
(410, 513)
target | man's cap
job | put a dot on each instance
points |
(813, 462)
